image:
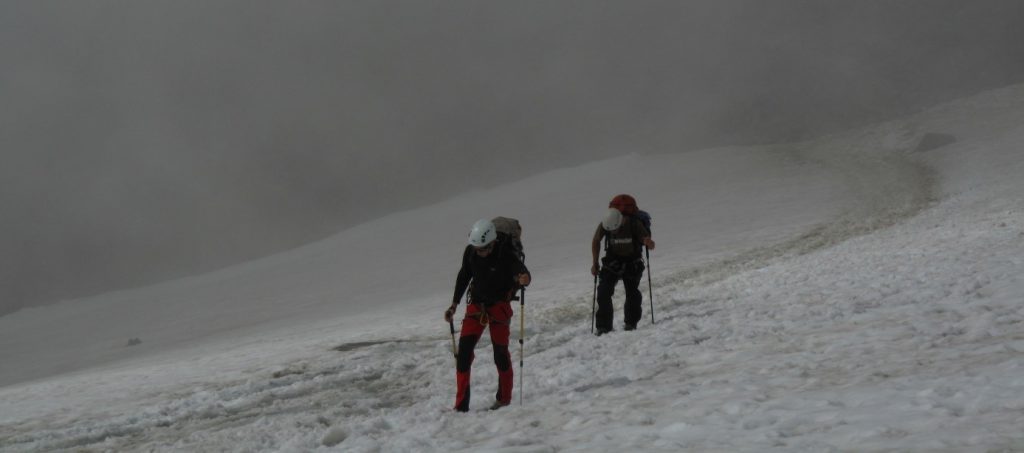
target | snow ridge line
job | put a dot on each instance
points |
(890, 187)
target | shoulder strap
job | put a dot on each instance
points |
(636, 227)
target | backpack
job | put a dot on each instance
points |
(626, 204)
(510, 235)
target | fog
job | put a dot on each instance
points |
(149, 140)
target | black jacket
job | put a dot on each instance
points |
(493, 276)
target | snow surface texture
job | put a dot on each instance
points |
(845, 294)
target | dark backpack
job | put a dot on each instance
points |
(510, 235)
(626, 204)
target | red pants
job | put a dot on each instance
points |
(498, 318)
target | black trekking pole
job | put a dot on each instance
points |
(650, 288)
(455, 351)
(593, 311)
(522, 323)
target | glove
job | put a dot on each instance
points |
(523, 279)
(449, 313)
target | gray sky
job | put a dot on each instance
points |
(143, 140)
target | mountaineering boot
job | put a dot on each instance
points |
(602, 331)
(629, 327)
(498, 405)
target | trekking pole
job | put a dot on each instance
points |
(593, 311)
(650, 288)
(522, 323)
(455, 351)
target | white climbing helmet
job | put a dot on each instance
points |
(483, 233)
(612, 220)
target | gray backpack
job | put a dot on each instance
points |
(510, 235)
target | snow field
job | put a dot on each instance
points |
(896, 322)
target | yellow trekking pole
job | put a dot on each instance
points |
(455, 351)
(650, 289)
(522, 323)
(593, 311)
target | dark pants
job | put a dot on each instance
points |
(497, 318)
(611, 272)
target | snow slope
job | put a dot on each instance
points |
(392, 265)
(841, 294)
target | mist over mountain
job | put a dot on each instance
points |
(147, 140)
